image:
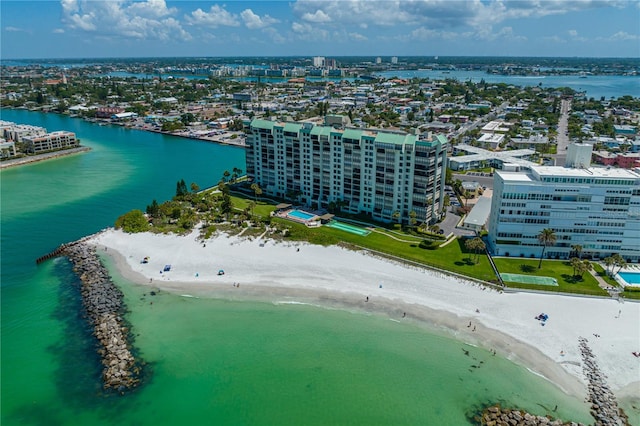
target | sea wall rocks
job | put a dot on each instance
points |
(103, 303)
(604, 407)
(495, 415)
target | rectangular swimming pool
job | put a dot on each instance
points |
(631, 278)
(348, 228)
(302, 215)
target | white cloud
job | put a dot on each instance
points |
(149, 19)
(58, 31)
(423, 34)
(301, 28)
(444, 14)
(13, 29)
(253, 21)
(623, 36)
(357, 37)
(573, 33)
(275, 36)
(318, 17)
(151, 9)
(216, 17)
(308, 32)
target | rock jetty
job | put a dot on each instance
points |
(103, 303)
(495, 415)
(604, 407)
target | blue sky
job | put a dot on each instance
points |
(125, 28)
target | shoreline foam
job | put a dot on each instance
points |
(335, 277)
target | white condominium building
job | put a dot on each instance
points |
(54, 140)
(596, 208)
(390, 176)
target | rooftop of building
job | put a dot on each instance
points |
(610, 172)
(479, 154)
(557, 171)
(379, 135)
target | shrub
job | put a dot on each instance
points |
(133, 221)
(428, 245)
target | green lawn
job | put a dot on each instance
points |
(561, 270)
(261, 208)
(452, 257)
(602, 274)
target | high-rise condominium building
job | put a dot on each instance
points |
(391, 176)
(595, 208)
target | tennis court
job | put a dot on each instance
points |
(528, 279)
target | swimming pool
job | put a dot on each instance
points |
(348, 228)
(301, 215)
(630, 278)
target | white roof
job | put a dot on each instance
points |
(610, 172)
(479, 214)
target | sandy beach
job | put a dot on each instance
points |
(288, 272)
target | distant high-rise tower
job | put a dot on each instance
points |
(330, 63)
(318, 61)
(378, 60)
(394, 59)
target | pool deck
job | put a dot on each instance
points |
(633, 269)
(311, 222)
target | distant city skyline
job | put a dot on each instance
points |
(152, 28)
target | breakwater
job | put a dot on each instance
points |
(496, 415)
(104, 305)
(604, 407)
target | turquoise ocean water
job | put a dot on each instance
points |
(210, 361)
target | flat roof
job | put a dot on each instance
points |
(514, 176)
(479, 214)
(591, 172)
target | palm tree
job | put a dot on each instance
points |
(546, 238)
(575, 264)
(396, 215)
(609, 262)
(619, 262)
(412, 218)
(466, 195)
(586, 266)
(476, 244)
(577, 248)
(256, 190)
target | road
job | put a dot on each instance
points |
(563, 137)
